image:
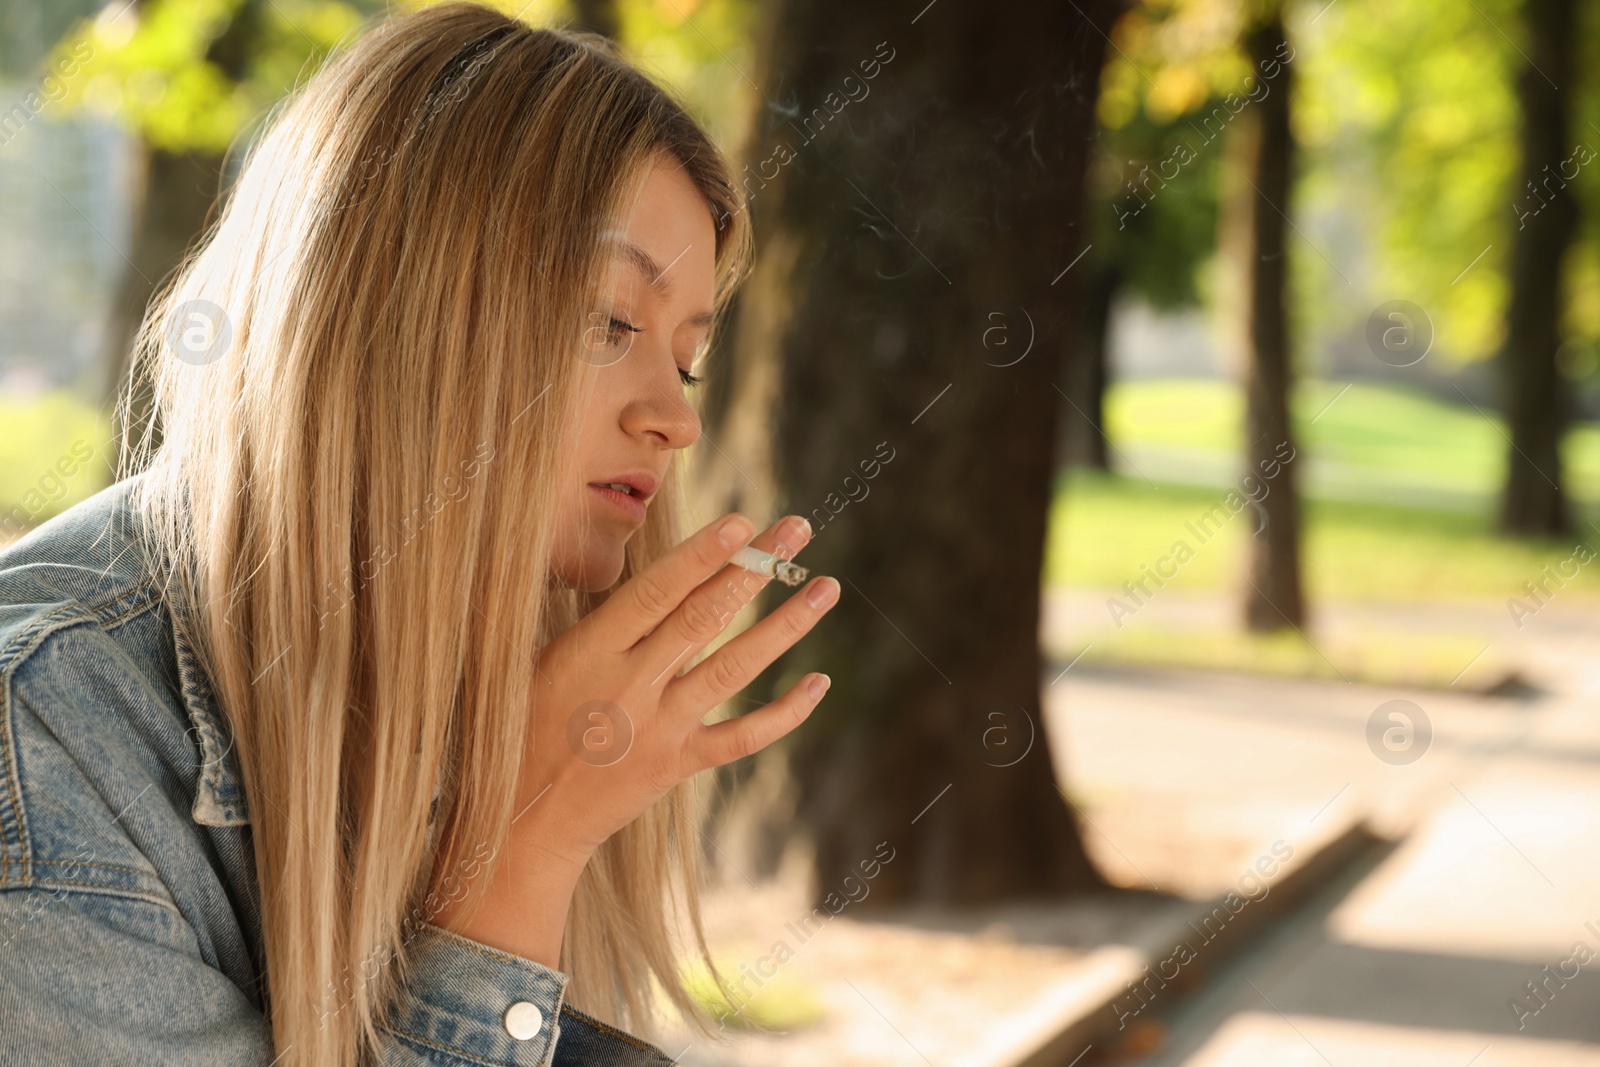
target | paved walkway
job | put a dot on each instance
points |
(1425, 955)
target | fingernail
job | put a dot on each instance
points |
(818, 685)
(792, 533)
(735, 531)
(823, 591)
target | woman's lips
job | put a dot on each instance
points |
(624, 502)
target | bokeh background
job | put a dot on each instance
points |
(1201, 401)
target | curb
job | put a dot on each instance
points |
(1086, 1014)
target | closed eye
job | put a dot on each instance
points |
(618, 327)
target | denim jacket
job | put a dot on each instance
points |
(130, 922)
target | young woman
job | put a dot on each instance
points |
(357, 722)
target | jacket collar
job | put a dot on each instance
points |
(219, 798)
(219, 795)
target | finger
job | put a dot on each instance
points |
(708, 609)
(735, 664)
(651, 595)
(724, 742)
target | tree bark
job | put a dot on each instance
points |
(1087, 373)
(1534, 504)
(1254, 231)
(898, 215)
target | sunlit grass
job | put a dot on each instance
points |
(780, 1003)
(1390, 657)
(1377, 436)
(1105, 528)
(1374, 436)
(44, 437)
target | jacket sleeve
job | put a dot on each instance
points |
(92, 979)
(127, 930)
(87, 978)
(466, 1003)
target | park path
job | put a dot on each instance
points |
(1421, 953)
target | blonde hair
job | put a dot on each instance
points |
(344, 482)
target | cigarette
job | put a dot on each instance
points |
(770, 565)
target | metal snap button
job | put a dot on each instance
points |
(523, 1020)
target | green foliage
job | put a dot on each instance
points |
(1410, 109)
(1153, 231)
(1407, 118)
(192, 75)
(1411, 104)
(1170, 57)
(701, 49)
(1152, 193)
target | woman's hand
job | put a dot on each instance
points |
(615, 726)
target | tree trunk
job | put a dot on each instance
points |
(1087, 373)
(174, 195)
(915, 183)
(596, 16)
(1254, 229)
(1536, 408)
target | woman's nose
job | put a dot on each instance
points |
(661, 411)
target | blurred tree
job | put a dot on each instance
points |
(1225, 68)
(1261, 147)
(1086, 370)
(701, 50)
(1420, 96)
(188, 77)
(1419, 105)
(1152, 223)
(596, 16)
(1536, 403)
(916, 185)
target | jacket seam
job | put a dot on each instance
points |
(611, 1030)
(102, 866)
(43, 628)
(505, 957)
(105, 866)
(14, 657)
(101, 889)
(401, 1031)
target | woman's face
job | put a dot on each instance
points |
(643, 338)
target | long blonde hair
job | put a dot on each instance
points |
(346, 477)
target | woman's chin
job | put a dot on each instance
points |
(594, 572)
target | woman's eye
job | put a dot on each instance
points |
(608, 331)
(619, 330)
(687, 378)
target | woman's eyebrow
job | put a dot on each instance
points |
(653, 273)
(643, 262)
